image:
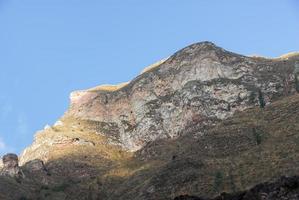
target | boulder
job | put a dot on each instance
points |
(11, 166)
(35, 165)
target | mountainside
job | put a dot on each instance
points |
(283, 188)
(202, 122)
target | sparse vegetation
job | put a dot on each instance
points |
(297, 82)
(232, 181)
(252, 97)
(257, 136)
(157, 64)
(287, 87)
(262, 102)
(296, 74)
(108, 87)
(61, 187)
(218, 181)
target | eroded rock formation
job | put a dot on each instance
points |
(11, 166)
(198, 85)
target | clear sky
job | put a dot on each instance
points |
(49, 48)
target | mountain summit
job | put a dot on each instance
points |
(201, 122)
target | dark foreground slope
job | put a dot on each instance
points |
(203, 122)
(283, 188)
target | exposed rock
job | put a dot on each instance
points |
(196, 87)
(198, 83)
(47, 127)
(11, 166)
(35, 165)
(58, 123)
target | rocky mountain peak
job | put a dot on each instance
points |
(201, 122)
(199, 83)
(196, 86)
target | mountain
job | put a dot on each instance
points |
(201, 122)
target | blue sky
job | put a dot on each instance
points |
(49, 48)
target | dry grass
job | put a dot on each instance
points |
(108, 87)
(112, 88)
(282, 57)
(157, 64)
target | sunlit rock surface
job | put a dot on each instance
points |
(199, 82)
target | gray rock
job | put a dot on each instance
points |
(11, 166)
(196, 84)
(35, 165)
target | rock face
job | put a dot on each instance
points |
(196, 87)
(199, 83)
(35, 165)
(11, 166)
(202, 122)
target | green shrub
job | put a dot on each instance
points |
(232, 182)
(296, 73)
(261, 99)
(252, 97)
(218, 181)
(257, 136)
(297, 82)
(60, 188)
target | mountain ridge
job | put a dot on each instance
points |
(158, 63)
(202, 122)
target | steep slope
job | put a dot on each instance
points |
(242, 151)
(201, 82)
(239, 152)
(192, 124)
(284, 188)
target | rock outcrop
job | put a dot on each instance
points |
(11, 166)
(35, 165)
(198, 85)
